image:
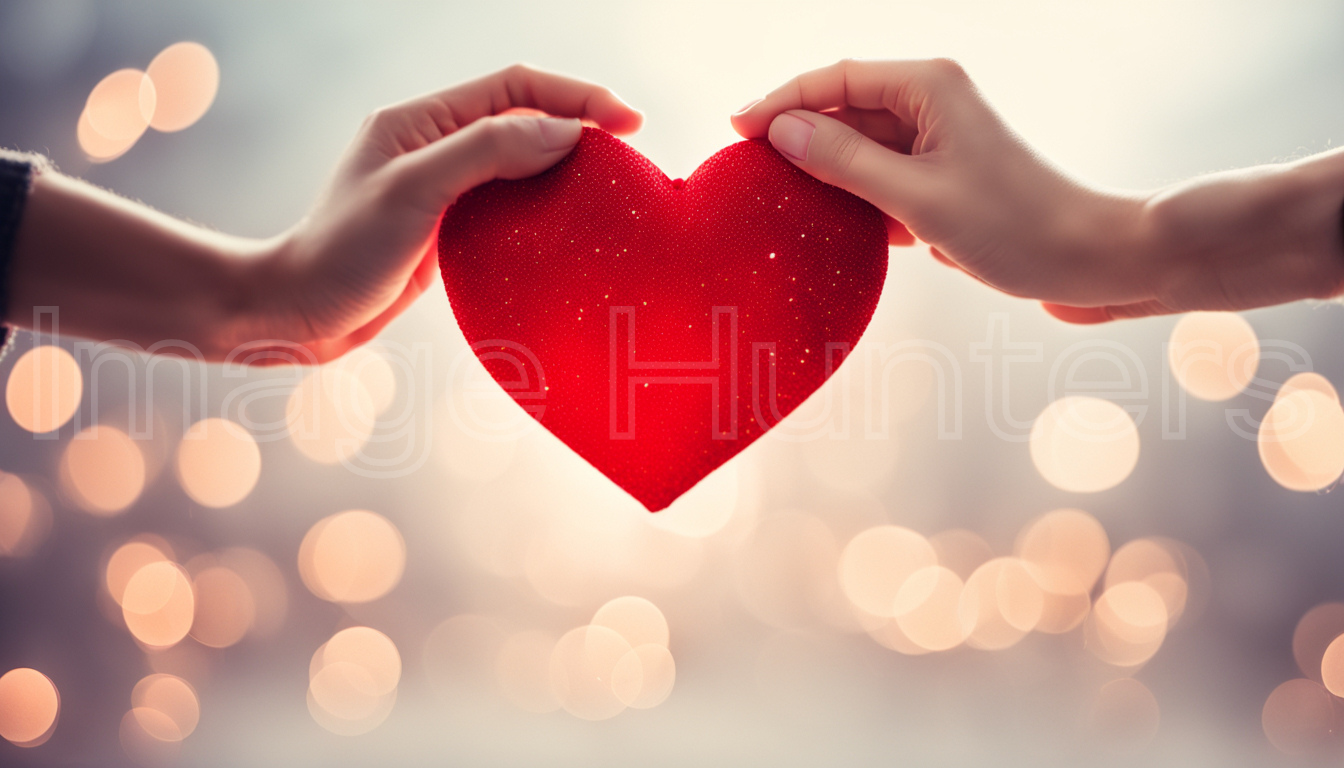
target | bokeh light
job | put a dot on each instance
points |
(116, 114)
(353, 681)
(225, 610)
(170, 696)
(1067, 550)
(1213, 354)
(186, 79)
(1157, 564)
(927, 606)
(352, 557)
(129, 558)
(1084, 444)
(636, 619)
(25, 516)
(150, 737)
(1299, 718)
(961, 551)
(29, 706)
(266, 585)
(644, 676)
(1332, 667)
(103, 470)
(44, 389)
(158, 604)
(1308, 380)
(218, 462)
(1000, 603)
(1301, 440)
(583, 665)
(1127, 624)
(1315, 631)
(875, 564)
(331, 415)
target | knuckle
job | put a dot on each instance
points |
(843, 149)
(946, 70)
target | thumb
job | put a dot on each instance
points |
(497, 147)
(839, 155)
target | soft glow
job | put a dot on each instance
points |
(352, 557)
(1127, 625)
(29, 704)
(25, 517)
(98, 147)
(1124, 715)
(851, 463)
(265, 583)
(353, 681)
(218, 462)
(130, 558)
(1000, 604)
(1061, 613)
(523, 671)
(118, 111)
(705, 509)
(1084, 444)
(1309, 380)
(373, 369)
(224, 607)
(103, 470)
(644, 677)
(459, 657)
(330, 415)
(1332, 666)
(926, 608)
(1066, 549)
(1302, 440)
(372, 651)
(876, 563)
(1299, 718)
(186, 78)
(171, 696)
(44, 389)
(158, 604)
(1315, 631)
(961, 551)
(1160, 567)
(582, 668)
(636, 619)
(1213, 354)
(786, 572)
(150, 737)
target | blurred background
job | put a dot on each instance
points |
(1127, 550)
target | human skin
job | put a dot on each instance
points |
(121, 271)
(920, 142)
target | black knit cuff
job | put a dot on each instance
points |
(16, 178)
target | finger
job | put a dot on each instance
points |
(897, 234)
(879, 125)
(1094, 315)
(530, 88)
(839, 155)
(507, 147)
(899, 87)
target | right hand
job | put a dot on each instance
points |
(919, 141)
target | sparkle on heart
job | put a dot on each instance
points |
(659, 326)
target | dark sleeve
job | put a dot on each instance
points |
(16, 178)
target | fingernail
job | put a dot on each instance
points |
(749, 105)
(791, 135)
(558, 132)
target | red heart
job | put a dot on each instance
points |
(748, 276)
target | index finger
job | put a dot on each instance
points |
(898, 86)
(522, 86)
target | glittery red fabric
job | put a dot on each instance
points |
(737, 284)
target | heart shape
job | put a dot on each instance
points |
(748, 283)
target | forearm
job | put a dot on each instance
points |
(117, 270)
(1250, 237)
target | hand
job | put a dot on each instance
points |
(368, 248)
(917, 139)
